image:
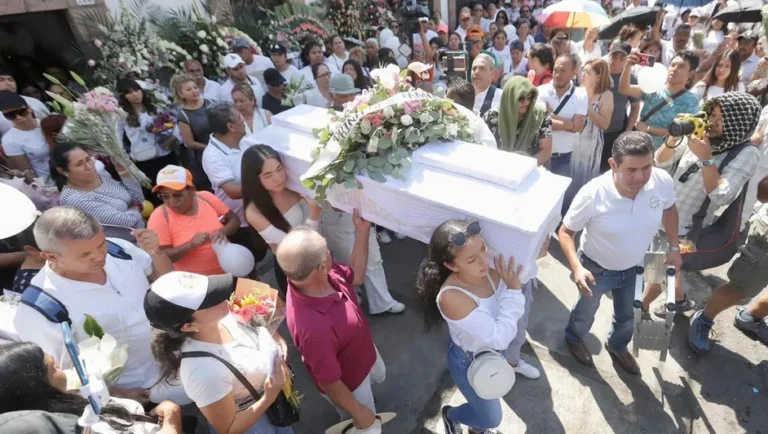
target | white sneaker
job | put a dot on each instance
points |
(396, 308)
(526, 370)
(384, 237)
(399, 236)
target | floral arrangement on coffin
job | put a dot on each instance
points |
(344, 15)
(92, 122)
(101, 354)
(128, 46)
(262, 308)
(377, 132)
(293, 25)
(376, 13)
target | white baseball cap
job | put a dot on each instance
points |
(233, 60)
(173, 177)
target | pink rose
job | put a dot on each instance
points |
(412, 106)
(97, 43)
(91, 63)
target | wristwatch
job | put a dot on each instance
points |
(674, 249)
(706, 163)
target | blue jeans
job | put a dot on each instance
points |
(263, 426)
(561, 164)
(622, 284)
(478, 413)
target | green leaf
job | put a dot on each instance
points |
(396, 173)
(403, 153)
(77, 78)
(376, 175)
(376, 162)
(393, 158)
(406, 162)
(52, 79)
(91, 327)
(352, 184)
(326, 181)
(385, 143)
(387, 169)
(362, 163)
(309, 184)
(349, 166)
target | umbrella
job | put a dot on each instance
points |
(747, 11)
(639, 14)
(686, 3)
(574, 14)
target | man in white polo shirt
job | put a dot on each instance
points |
(620, 212)
(209, 89)
(222, 163)
(567, 105)
(105, 278)
(238, 74)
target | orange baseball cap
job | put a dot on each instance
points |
(173, 177)
(475, 31)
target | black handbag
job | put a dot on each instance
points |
(280, 413)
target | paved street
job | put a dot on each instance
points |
(725, 392)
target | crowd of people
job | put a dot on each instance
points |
(152, 278)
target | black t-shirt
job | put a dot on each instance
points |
(272, 104)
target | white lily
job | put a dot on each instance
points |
(102, 357)
(387, 77)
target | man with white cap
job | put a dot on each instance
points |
(342, 89)
(255, 64)
(238, 74)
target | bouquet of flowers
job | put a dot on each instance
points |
(292, 25)
(162, 127)
(376, 13)
(93, 123)
(293, 90)
(344, 15)
(263, 308)
(376, 133)
(101, 353)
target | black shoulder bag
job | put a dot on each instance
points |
(280, 413)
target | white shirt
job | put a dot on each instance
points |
(259, 65)
(562, 141)
(577, 48)
(618, 230)
(462, 33)
(37, 107)
(291, 73)
(118, 306)
(222, 165)
(504, 57)
(30, 144)
(316, 99)
(712, 40)
(417, 37)
(226, 89)
(336, 63)
(212, 90)
(143, 143)
(480, 98)
(713, 91)
(207, 380)
(522, 68)
(748, 67)
(306, 72)
(668, 51)
(527, 43)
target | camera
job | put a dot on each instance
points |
(687, 125)
(454, 63)
(412, 12)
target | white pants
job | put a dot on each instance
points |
(364, 394)
(339, 232)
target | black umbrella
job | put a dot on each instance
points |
(640, 14)
(747, 11)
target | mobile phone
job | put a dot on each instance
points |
(646, 59)
(69, 343)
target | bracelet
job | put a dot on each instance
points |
(674, 249)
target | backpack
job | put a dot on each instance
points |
(718, 243)
(49, 306)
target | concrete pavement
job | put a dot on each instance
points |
(724, 392)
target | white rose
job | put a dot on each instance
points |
(425, 118)
(365, 126)
(201, 34)
(220, 42)
(406, 120)
(453, 129)
(204, 49)
(373, 145)
(388, 112)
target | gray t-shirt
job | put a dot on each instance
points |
(619, 104)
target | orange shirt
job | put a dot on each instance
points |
(179, 229)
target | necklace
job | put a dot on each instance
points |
(471, 286)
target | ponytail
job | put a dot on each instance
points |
(166, 349)
(429, 280)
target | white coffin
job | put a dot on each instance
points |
(515, 221)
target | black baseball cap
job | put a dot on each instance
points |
(749, 34)
(273, 77)
(617, 46)
(175, 296)
(11, 100)
(278, 49)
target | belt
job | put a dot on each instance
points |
(560, 154)
(594, 263)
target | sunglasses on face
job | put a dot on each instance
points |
(460, 239)
(524, 98)
(13, 114)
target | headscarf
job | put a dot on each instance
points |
(516, 135)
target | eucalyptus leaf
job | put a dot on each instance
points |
(396, 173)
(393, 158)
(385, 143)
(91, 327)
(377, 162)
(362, 163)
(406, 162)
(376, 175)
(403, 153)
(387, 169)
(349, 166)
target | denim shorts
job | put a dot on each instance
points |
(749, 272)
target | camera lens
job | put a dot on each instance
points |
(680, 128)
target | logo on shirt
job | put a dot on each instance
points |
(654, 202)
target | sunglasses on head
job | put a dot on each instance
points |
(13, 114)
(460, 239)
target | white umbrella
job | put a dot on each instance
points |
(20, 211)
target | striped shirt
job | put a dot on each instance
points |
(111, 203)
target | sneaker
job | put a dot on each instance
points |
(396, 308)
(526, 370)
(684, 305)
(698, 333)
(751, 326)
(383, 237)
(399, 236)
(450, 427)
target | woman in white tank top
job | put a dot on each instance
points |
(481, 306)
(270, 208)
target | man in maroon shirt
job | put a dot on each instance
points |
(327, 325)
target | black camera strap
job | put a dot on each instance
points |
(661, 105)
(564, 101)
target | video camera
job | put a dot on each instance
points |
(690, 125)
(454, 63)
(411, 12)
